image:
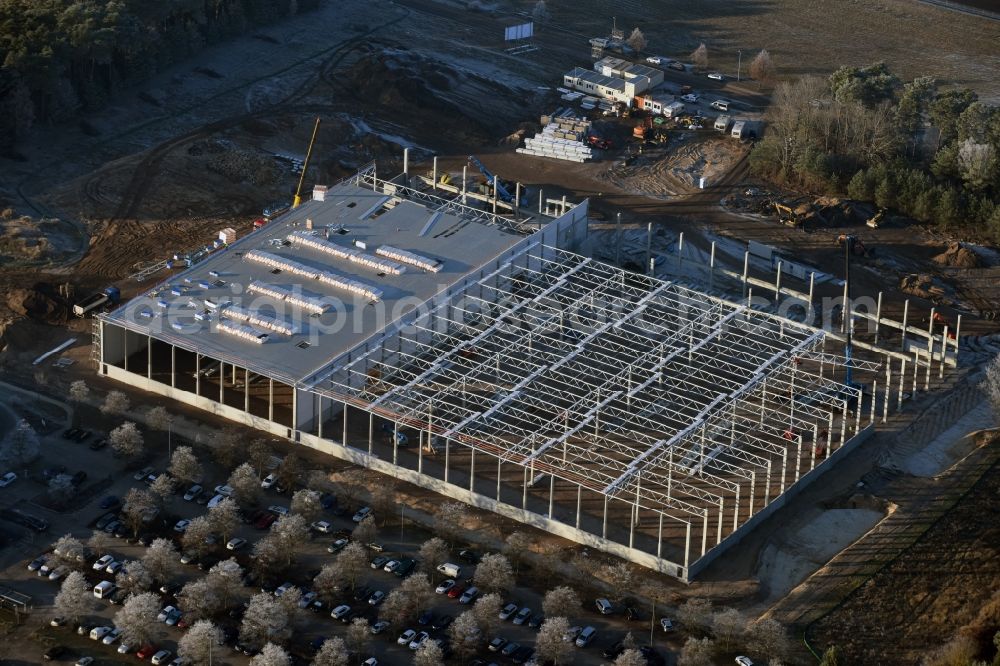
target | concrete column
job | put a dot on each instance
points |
(270, 399)
(541, 198)
(767, 487)
(659, 539)
(579, 497)
(843, 425)
(517, 198)
(434, 184)
(916, 371)
(902, 380)
(498, 478)
(753, 491)
(906, 313)
(812, 288)
(552, 493)
(784, 468)
(563, 209)
(173, 366)
(680, 251)
(958, 336)
(687, 546)
(798, 456)
(618, 239)
(777, 283)
(420, 451)
(930, 351)
(718, 537)
(649, 246)
(395, 442)
(746, 270)
(711, 268)
(878, 315)
(844, 310)
(888, 389)
(344, 438)
(406, 166)
(222, 386)
(494, 195)
(447, 455)
(944, 352)
(371, 432)
(871, 415)
(246, 393)
(149, 357)
(465, 170)
(704, 532)
(736, 509)
(472, 470)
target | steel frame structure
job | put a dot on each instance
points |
(691, 410)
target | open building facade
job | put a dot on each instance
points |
(483, 358)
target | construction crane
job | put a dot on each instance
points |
(502, 192)
(297, 201)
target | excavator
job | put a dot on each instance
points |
(876, 221)
(786, 215)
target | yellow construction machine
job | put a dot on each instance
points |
(876, 221)
(297, 201)
(786, 215)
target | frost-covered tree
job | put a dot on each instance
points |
(226, 579)
(269, 557)
(74, 598)
(264, 621)
(728, 626)
(200, 598)
(224, 518)
(158, 418)
(699, 58)
(306, 504)
(550, 644)
(366, 532)
(138, 502)
(494, 573)
(245, 484)
(163, 488)
(762, 67)
(197, 645)
(697, 652)
(329, 582)
(358, 635)
(160, 559)
(333, 652)
(768, 637)
(696, 615)
(137, 618)
(433, 552)
(21, 445)
(637, 41)
(133, 577)
(487, 612)
(449, 520)
(184, 465)
(516, 547)
(429, 654)
(289, 470)
(115, 403)
(271, 655)
(126, 440)
(630, 657)
(404, 602)
(352, 562)
(226, 447)
(259, 455)
(69, 551)
(195, 537)
(465, 634)
(561, 601)
(79, 391)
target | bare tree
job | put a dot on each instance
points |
(619, 576)
(163, 488)
(265, 620)
(550, 644)
(384, 501)
(271, 655)
(494, 573)
(637, 41)
(21, 445)
(99, 541)
(196, 536)
(133, 577)
(138, 503)
(466, 636)
(245, 484)
(540, 12)
(184, 465)
(697, 652)
(158, 418)
(429, 654)
(516, 547)
(306, 504)
(137, 618)
(75, 596)
(433, 552)
(762, 67)
(226, 446)
(767, 636)
(196, 644)
(449, 520)
(333, 652)
(126, 440)
(561, 601)
(79, 391)
(358, 635)
(352, 562)
(487, 612)
(696, 615)
(630, 657)
(61, 488)
(728, 626)
(404, 602)
(259, 455)
(699, 57)
(991, 384)
(289, 470)
(319, 480)
(161, 559)
(225, 518)
(115, 403)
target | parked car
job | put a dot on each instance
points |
(508, 611)
(102, 522)
(58, 621)
(278, 510)
(586, 636)
(378, 561)
(536, 620)
(340, 611)
(224, 490)
(380, 626)
(265, 521)
(142, 473)
(7, 479)
(469, 556)
(444, 586)
(716, 76)
(442, 622)
(667, 624)
(145, 651)
(377, 597)
(744, 661)
(418, 640)
(114, 567)
(337, 545)
(193, 492)
(654, 60)
(468, 595)
(406, 637)
(36, 564)
(167, 610)
(322, 526)
(361, 514)
(54, 652)
(97, 633)
(497, 644)
(110, 503)
(216, 499)
(522, 616)
(103, 561)
(236, 543)
(269, 480)
(691, 98)
(604, 606)
(182, 525)
(307, 599)
(113, 636)
(98, 444)
(571, 634)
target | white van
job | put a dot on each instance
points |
(450, 570)
(104, 589)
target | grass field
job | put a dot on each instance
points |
(809, 36)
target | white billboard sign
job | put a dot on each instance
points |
(515, 32)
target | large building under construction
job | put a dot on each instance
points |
(480, 356)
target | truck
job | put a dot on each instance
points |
(110, 296)
(739, 129)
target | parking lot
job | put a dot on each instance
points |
(110, 477)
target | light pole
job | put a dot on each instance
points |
(739, 62)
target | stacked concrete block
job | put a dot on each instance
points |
(564, 139)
